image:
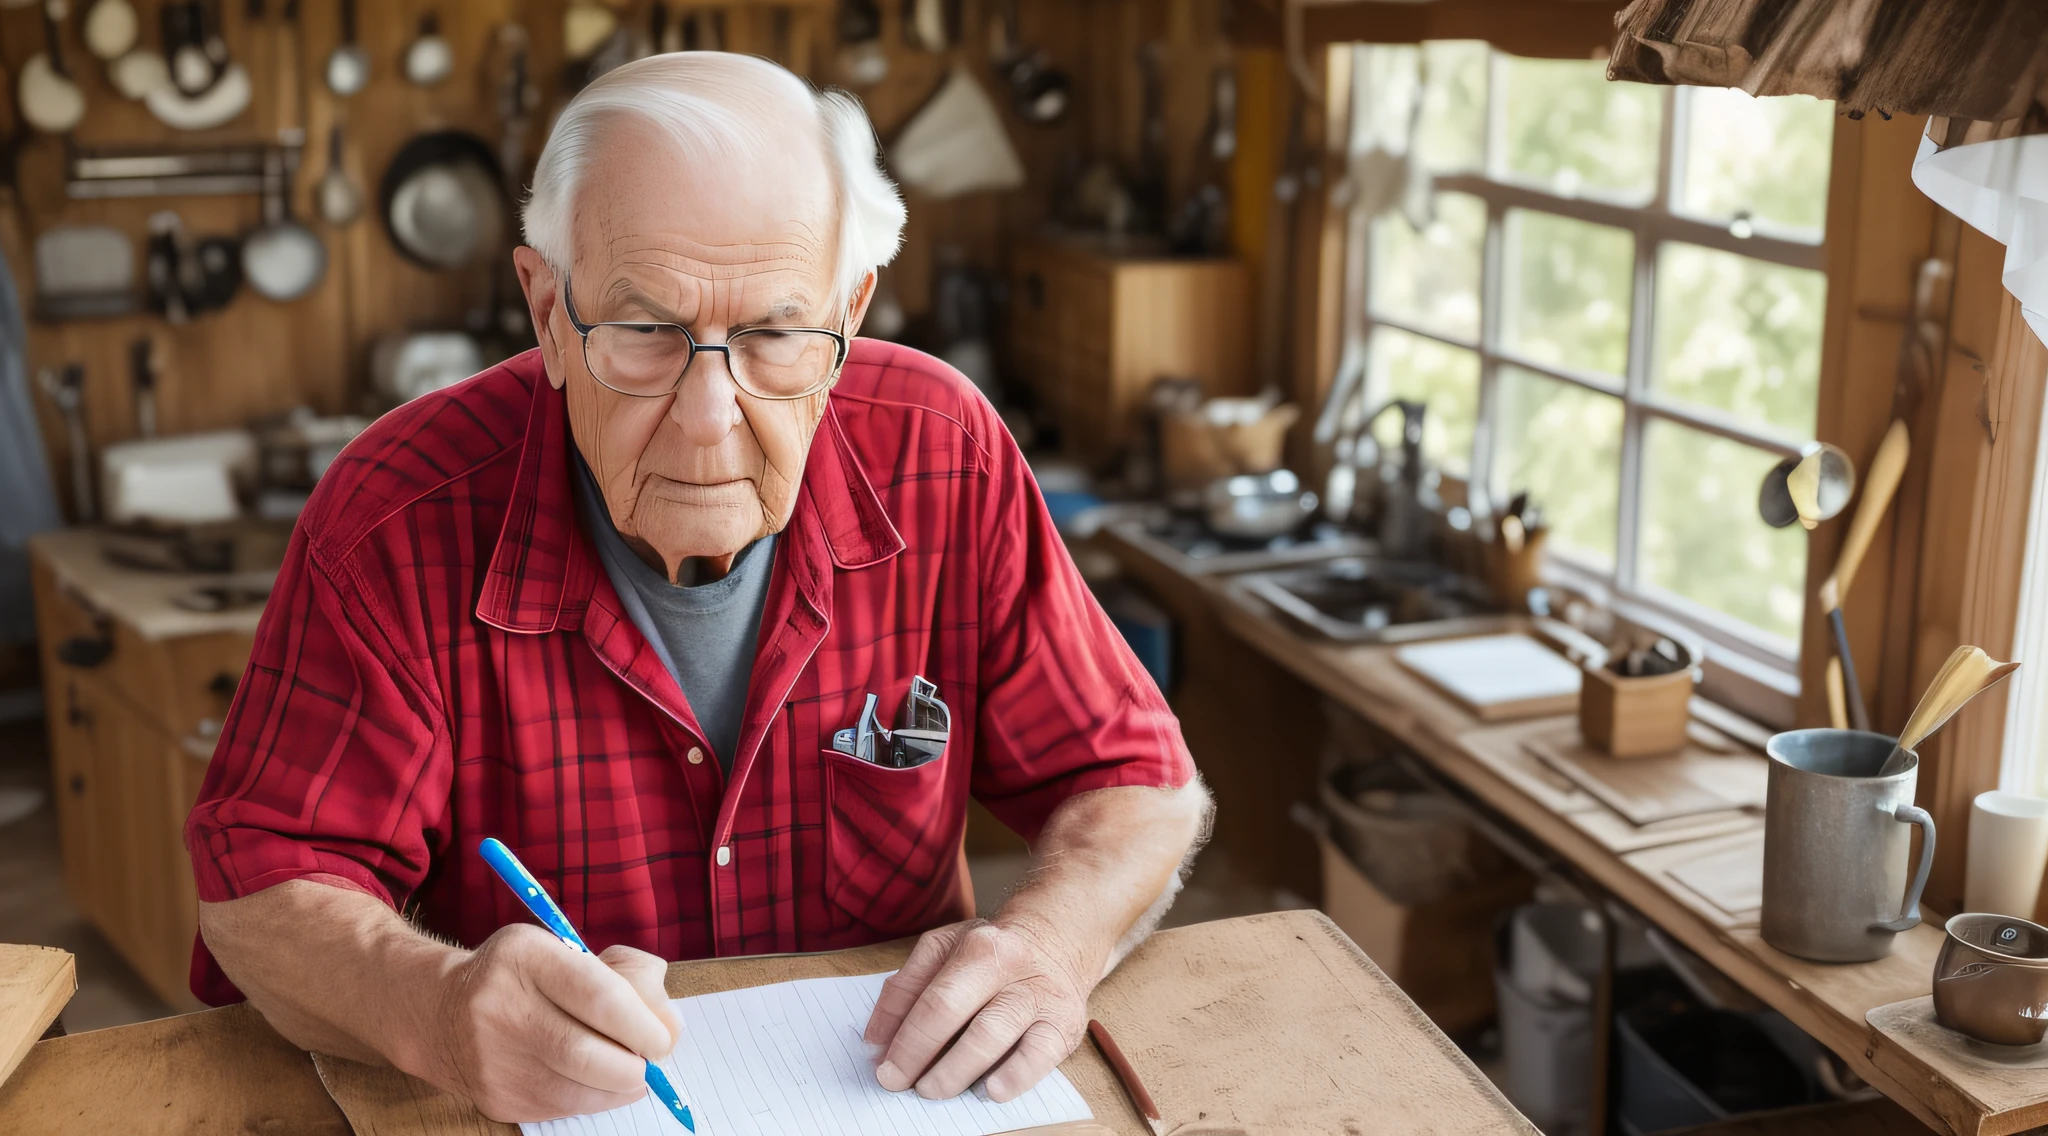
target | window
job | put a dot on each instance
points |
(1611, 296)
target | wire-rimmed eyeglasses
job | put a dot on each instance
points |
(648, 360)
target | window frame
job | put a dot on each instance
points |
(1753, 654)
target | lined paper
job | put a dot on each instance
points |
(789, 1058)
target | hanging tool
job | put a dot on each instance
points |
(67, 390)
(1882, 483)
(142, 372)
(1967, 673)
(348, 65)
(340, 201)
(50, 100)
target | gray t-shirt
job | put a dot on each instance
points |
(705, 634)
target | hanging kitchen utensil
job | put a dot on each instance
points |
(219, 261)
(66, 389)
(283, 260)
(218, 105)
(49, 100)
(924, 25)
(862, 60)
(164, 278)
(1967, 673)
(1808, 488)
(184, 47)
(442, 200)
(83, 272)
(212, 39)
(340, 201)
(585, 28)
(348, 66)
(518, 97)
(1039, 92)
(110, 29)
(142, 374)
(1880, 482)
(138, 73)
(103, 172)
(429, 59)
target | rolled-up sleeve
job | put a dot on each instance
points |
(1065, 707)
(332, 764)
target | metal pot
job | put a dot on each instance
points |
(1257, 506)
(1991, 979)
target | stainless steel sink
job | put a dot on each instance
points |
(1360, 599)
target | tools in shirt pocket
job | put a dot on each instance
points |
(919, 737)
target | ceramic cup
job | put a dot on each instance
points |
(2008, 852)
(1836, 843)
(1991, 979)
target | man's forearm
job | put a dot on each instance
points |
(332, 970)
(1108, 861)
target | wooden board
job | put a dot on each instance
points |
(217, 1071)
(1647, 790)
(1504, 750)
(1720, 877)
(2000, 1078)
(35, 983)
(1497, 678)
(1273, 1023)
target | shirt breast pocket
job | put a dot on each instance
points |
(892, 843)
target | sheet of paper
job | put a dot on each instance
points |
(789, 1058)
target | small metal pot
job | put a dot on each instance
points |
(1991, 979)
(1257, 506)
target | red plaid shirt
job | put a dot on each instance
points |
(444, 659)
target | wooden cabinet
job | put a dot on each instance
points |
(1091, 331)
(130, 723)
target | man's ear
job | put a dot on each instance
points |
(858, 309)
(538, 281)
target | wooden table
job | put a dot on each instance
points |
(1828, 1001)
(1272, 1023)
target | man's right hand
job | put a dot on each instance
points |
(530, 1029)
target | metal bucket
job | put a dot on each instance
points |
(1836, 844)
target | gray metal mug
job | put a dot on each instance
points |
(1836, 842)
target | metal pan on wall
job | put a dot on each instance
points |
(442, 200)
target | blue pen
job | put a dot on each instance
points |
(537, 900)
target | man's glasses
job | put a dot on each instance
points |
(647, 360)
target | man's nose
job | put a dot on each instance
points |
(707, 404)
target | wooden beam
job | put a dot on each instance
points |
(1557, 29)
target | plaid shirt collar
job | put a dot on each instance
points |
(543, 572)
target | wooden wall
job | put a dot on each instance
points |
(258, 357)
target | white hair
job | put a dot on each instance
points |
(718, 106)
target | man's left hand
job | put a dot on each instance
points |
(1013, 995)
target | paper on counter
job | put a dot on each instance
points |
(789, 1058)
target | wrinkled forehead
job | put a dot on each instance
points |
(733, 207)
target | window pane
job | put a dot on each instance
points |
(1447, 378)
(1739, 335)
(1701, 536)
(1431, 278)
(1566, 291)
(1562, 444)
(1764, 159)
(1569, 130)
(1453, 134)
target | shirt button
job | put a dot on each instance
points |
(724, 855)
(696, 756)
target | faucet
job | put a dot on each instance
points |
(1402, 521)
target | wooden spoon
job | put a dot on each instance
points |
(1968, 673)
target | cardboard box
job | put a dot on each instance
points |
(1439, 952)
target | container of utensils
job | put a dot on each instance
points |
(1638, 703)
(1514, 555)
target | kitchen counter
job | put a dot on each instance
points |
(1476, 761)
(1272, 1023)
(139, 598)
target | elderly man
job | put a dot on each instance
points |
(610, 602)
